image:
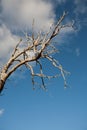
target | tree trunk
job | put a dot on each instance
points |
(1, 85)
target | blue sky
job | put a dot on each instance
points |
(21, 107)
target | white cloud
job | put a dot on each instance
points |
(20, 13)
(7, 41)
(1, 111)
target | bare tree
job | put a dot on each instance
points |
(34, 48)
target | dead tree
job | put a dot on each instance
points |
(34, 49)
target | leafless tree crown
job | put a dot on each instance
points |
(34, 49)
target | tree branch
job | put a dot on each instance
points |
(37, 48)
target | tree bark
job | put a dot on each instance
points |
(1, 85)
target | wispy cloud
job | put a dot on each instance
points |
(80, 10)
(65, 36)
(1, 111)
(61, 1)
(77, 51)
(81, 6)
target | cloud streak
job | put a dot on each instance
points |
(1, 112)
